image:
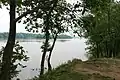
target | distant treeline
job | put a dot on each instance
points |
(32, 36)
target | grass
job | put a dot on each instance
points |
(99, 69)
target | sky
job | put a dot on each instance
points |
(4, 20)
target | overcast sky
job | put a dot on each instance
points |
(4, 21)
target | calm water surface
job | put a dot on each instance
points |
(64, 50)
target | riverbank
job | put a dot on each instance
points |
(97, 69)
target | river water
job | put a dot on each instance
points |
(64, 50)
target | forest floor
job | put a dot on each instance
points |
(97, 69)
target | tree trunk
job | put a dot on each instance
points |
(47, 35)
(44, 53)
(97, 50)
(8, 51)
(49, 57)
(101, 54)
(114, 49)
(106, 45)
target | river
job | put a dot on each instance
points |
(64, 50)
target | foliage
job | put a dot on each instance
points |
(18, 56)
(101, 27)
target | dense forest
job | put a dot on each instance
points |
(4, 36)
(98, 21)
(102, 29)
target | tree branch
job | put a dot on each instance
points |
(26, 13)
(22, 15)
